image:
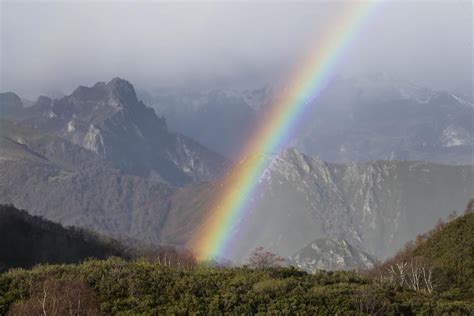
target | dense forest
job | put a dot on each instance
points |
(432, 276)
(27, 240)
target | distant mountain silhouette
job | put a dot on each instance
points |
(373, 117)
(109, 120)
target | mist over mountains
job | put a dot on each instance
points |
(375, 117)
(110, 121)
(236, 157)
(102, 159)
(374, 206)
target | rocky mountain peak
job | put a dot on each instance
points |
(296, 155)
(10, 102)
(109, 120)
(303, 164)
(122, 91)
(94, 93)
(117, 93)
(43, 102)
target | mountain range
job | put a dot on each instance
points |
(373, 117)
(109, 120)
(382, 118)
(375, 207)
(103, 160)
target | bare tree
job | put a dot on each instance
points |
(405, 269)
(427, 273)
(397, 273)
(261, 258)
(171, 257)
(54, 297)
(415, 273)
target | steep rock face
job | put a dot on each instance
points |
(331, 254)
(109, 120)
(376, 207)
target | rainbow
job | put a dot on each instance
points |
(232, 196)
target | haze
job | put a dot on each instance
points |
(50, 47)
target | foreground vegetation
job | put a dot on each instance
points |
(431, 276)
(117, 286)
(440, 261)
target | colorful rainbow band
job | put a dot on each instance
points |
(232, 197)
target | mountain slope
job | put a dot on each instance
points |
(109, 120)
(27, 240)
(66, 183)
(331, 254)
(219, 120)
(10, 104)
(451, 250)
(374, 117)
(376, 207)
(381, 118)
(438, 261)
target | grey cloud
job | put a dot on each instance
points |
(48, 47)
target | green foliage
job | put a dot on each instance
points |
(167, 281)
(443, 258)
(143, 287)
(451, 251)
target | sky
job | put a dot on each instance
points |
(49, 48)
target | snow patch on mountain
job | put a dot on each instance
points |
(455, 136)
(463, 102)
(94, 141)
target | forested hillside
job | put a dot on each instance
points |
(440, 261)
(27, 240)
(450, 250)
